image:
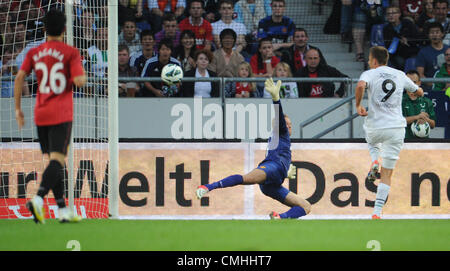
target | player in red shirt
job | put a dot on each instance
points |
(57, 67)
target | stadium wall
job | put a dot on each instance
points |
(158, 180)
(139, 117)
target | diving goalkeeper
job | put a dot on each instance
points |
(272, 171)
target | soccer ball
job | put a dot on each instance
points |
(420, 130)
(171, 74)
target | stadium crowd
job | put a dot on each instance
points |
(227, 35)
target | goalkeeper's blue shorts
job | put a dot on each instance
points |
(275, 174)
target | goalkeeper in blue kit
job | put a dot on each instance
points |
(272, 171)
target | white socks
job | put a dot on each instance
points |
(382, 194)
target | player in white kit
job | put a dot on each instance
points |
(384, 123)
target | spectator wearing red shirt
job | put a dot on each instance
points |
(263, 62)
(201, 27)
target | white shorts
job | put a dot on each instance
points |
(389, 142)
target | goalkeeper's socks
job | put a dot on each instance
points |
(227, 182)
(294, 212)
(382, 194)
(50, 178)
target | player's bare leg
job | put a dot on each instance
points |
(256, 176)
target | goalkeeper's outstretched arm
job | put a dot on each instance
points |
(274, 90)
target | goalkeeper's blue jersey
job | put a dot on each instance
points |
(279, 145)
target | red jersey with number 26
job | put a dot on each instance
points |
(55, 64)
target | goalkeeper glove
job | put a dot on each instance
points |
(292, 172)
(273, 89)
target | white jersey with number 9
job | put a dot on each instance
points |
(385, 87)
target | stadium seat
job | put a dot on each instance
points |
(376, 35)
(410, 64)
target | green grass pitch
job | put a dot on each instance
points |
(226, 235)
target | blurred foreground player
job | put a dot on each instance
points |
(272, 171)
(57, 67)
(384, 123)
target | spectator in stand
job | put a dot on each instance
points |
(226, 60)
(263, 62)
(226, 8)
(346, 21)
(211, 10)
(126, 89)
(425, 15)
(365, 14)
(201, 88)
(138, 59)
(130, 8)
(430, 58)
(84, 29)
(440, 12)
(416, 109)
(241, 89)
(287, 89)
(250, 12)
(314, 69)
(277, 27)
(201, 27)
(130, 36)
(160, 7)
(19, 39)
(295, 55)
(153, 68)
(8, 68)
(170, 30)
(31, 13)
(185, 52)
(411, 9)
(97, 53)
(444, 72)
(400, 37)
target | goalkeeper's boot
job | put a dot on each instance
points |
(68, 216)
(201, 191)
(375, 217)
(274, 215)
(36, 207)
(374, 168)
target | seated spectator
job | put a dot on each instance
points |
(263, 62)
(416, 109)
(169, 30)
(84, 30)
(443, 73)
(211, 10)
(19, 39)
(153, 68)
(431, 57)
(401, 38)
(440, 11)
(160, 7)
(288, 89)
(411, 9)
(314, 69)
(201, 88)
(226, 60)
(8, 68)
(277, 27)
(425, 15)
(130, 9)
(186, 50)
(31, 13)
(126, 89)
(97, 53)
(138, 59)
(201, 27)
(130, 36)
(241, 89)
(295, 55)
(226, 21)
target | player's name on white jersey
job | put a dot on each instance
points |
(48, 52)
